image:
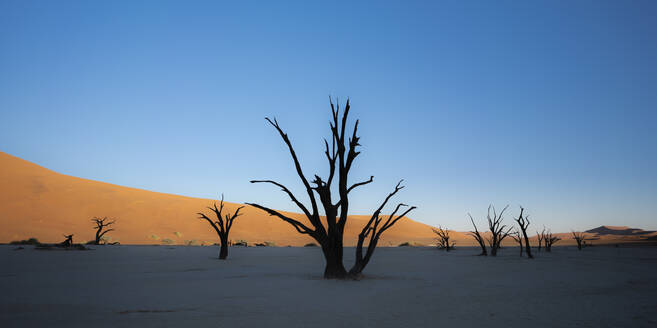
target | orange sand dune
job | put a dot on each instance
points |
(37, 202)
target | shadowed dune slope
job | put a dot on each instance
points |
(37, 202)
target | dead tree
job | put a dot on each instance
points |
(100, 225)
(579, 238)
(539, 237)
(329, 234)
(523, 223)
(477, 236)
(498, 230)
(222, 225)
(518, 238)
(549, 239)
(443, 239)
(68, 242)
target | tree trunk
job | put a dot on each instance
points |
(483, 249)
(361, 261)
(528, 248)
(223, 251)
(334, 267)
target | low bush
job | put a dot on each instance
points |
(241, 242)
(31, 241)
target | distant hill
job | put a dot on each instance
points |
(615, 230)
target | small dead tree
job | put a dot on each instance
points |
(515, 234)
(477, 236)
(549, 239)
(579, 238)
(443, 239)
(539, 237)
(68, 242)
(100, 225)
(328, 230)
(497, 230)
(523, 223)
(222, 225)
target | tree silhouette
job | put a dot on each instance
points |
(549, 239)
(222, 225)
(523, 223)
(68, 242)
(329, 230)
(100, 225)
(498, 231)
(579, 238)
(539, 237)
(443, 239)
(477, 236)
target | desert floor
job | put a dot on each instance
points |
(161, 286)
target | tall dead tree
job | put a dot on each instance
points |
(100, 225)
(515, 234)
(498, 231)
(477, 236)
(523, 223)
(329, 230)
(222, 225)
(579, 238)
(443, 239)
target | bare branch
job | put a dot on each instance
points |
(356, 185)
(301, 228)
(297, 165)
(288, 192)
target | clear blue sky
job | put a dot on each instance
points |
(552, 105)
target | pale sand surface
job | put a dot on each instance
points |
(282, 287)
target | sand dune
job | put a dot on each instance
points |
(37, 202)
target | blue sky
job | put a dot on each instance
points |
(551, 105)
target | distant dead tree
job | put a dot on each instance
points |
(68, 242)
(100, 225)
(443, 239)
(515, 234)
(579, 238)
(340, 156)
(477, 236)
(523, 223)
(222, 225)
(498, 231)
(539, 237)
(549, 239)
